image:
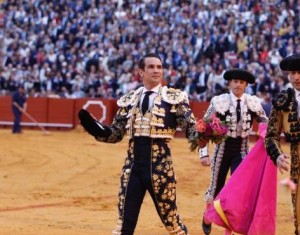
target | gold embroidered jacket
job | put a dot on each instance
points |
(170, 109)
(283, 118)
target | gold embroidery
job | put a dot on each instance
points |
(173, 96)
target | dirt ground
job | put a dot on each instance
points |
(66, 183)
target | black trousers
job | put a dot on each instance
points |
(141, 180)
(231, 160)
(138, 183)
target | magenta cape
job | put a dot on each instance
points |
(247, 203)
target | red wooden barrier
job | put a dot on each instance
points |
(199, 108)
(37, 108)
(5, 109)
(62, 113)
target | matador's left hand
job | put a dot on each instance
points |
(205, 160)
(283, 162)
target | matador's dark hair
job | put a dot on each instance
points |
(142, 60)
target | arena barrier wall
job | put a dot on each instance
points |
(62, 113)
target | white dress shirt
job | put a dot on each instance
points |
(239, 125)
(151, 97)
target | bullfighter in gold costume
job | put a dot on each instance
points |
(285, 116)
(148, 165)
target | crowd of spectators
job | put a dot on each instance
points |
(91, 48)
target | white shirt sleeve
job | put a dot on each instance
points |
(203, 152)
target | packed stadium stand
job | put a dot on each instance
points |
(90, 48)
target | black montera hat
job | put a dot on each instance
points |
(240, 74)
(290, 63)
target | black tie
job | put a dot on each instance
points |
(145, 103)
(238, 110)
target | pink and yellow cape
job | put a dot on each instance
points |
(247, 203)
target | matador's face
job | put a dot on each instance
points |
(152, 74)
(237, 87)
(294, 77)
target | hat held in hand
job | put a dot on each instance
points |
(92, 126)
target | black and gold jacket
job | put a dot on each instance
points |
(170, 110)
(283, 118)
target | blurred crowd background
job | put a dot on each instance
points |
(91, 48)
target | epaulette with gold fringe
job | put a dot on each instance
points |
(173, 96)
(282, 100)
(130, 98)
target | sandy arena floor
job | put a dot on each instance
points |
(66, 183)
